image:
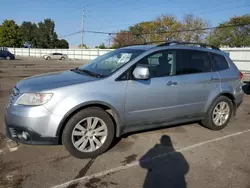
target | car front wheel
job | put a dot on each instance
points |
(8, 58)
(88, 133)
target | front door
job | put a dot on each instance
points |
(153, 100)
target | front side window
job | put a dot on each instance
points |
(110, 62)
(194, 61)
(162, 63)
(220, 62)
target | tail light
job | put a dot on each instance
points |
(241, 75)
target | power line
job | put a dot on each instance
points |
(83, 11)
(197, 13)
(162, 32)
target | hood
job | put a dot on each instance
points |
(52, 80)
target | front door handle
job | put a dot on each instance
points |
(214, 78)
(171, 83)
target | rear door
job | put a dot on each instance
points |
(230, 75)
(198, 82)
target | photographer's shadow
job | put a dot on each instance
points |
(166, 167)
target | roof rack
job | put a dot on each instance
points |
(202, 45)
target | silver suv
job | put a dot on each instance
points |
(128, 89)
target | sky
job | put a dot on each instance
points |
(114, 15)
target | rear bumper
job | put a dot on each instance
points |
(238, 104)
(32, 137)
(239, 98)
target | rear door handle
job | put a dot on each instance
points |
(171, 83)
(214, 78)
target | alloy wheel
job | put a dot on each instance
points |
(221, 113)
(89, 134)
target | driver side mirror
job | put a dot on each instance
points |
(141, 73)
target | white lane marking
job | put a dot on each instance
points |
(137, 163)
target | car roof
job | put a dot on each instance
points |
(178, 46)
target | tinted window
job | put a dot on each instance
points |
(162, 63)
(194, 61)
(220, 62)
(3, 52)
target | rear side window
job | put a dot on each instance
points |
(194, 61)
(220, 62)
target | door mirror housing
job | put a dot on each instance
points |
(141, 73)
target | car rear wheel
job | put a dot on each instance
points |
(8, 58)
(219, 114)
(88, 133)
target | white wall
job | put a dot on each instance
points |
(71, 53)
(240, 56)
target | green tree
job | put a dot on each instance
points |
(62, 44)
(46, 35)
(233, 36)
(164, 27)
(101, 46)
(123, 38)
(196, 25)
(29, 33)
(10, 35)
(84, 46)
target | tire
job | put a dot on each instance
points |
(69, 140)
(62, 58)
(48, 58)
(208, 119)
(8, 58)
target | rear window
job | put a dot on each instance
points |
(194, 61)
(220, 62)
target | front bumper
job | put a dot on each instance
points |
(32, 138)
(37, 122)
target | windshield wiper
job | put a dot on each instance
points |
(88, 72)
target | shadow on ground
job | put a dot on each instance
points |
(166, 167)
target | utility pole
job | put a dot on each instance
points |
(82, 26)
(109, 39)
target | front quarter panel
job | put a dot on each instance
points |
(97, 92)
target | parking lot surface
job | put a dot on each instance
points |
(180, 156)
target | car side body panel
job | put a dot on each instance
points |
(83, 95)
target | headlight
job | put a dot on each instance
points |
(34, 99)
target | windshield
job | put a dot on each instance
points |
(108, 63)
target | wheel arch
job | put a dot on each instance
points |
(107, 107)
(228, 95)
